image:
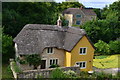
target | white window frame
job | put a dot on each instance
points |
(55, 60)
(52, 50)
(82, 64)
(82, 51)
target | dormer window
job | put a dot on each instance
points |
(50, 50)
(78, 16)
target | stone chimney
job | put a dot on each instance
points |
(59, 22)
(81, 7)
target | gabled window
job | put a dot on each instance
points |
(82, 65)
(78, 15)
(49, 50)
(78, 22)
(53, 61)
(83, 51)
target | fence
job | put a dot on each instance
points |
(45, 73)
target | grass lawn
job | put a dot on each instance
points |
(6, 71)
(110, 61)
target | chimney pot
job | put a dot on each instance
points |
(81, 7)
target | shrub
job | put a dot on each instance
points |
(115, 46)
(102, 47)
(54, 66)
(21, 61)
(16, 68)
(58, 73)
(70, 73)
(7, 48)
(34, 59)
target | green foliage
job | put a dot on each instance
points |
(6, 72)
(70, 73)
(102, 75)
(58, 73)
(15, 17)
(98, 12)
(16, 68)
(7, 48)
(115, 47)
(64, 5)
(54, 66)
(21, 61)
(34, 59)
(102, 47)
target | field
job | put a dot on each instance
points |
(107, 61)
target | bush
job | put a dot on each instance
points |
(102, 47)
(21, 61)
(7, 48)
(58, 73)
(70, 73)
(115, 46)
(54, 66)
(16, 68)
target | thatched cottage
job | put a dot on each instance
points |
(62, 45)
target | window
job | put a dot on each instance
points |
(82, 65)
(53, 61)
(77, 22)
(78, 16)
(83, 51)
(49, 50)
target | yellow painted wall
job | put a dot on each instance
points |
(76, 57)
(67, 59)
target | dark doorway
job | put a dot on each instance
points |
(43, 64)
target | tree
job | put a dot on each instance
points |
(34, 60)
(64, 5)
(7, 48)
(115, 46)
(102, 47)
(98, 12)
(16, 15)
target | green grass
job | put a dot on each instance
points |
(6, 71)
(101, 57)
(110, 61)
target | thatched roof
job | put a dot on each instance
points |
(34, 38)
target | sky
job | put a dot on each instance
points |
(94, 3)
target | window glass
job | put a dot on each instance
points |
(77, 22)
(49, 50)
(83, 50)
(78, 16)
(81, 64)
(53, 61)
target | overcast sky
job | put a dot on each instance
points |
(94, 3)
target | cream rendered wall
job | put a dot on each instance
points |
(69, 17)
(58, 54)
